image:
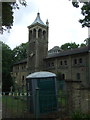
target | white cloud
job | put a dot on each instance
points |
(19, 35)
(63, 22)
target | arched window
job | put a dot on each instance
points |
(30, 35)
(22, 80)
(39, 33)
(75, 61)
(63, 76)
(34, 33)
(44, 34)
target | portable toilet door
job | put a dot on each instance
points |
(47, 95)
(47, 91)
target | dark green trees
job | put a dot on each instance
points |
(67, 46)
(9, 57)
(7, 13)
(7, 62)
(20, 52)
(85, 11)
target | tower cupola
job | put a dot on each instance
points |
(38, 20)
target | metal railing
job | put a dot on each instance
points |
(21, 105)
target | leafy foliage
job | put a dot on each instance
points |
(7, 62)
(82, 45)
(78, 115)
(75, 4)
(9, 57)
(20, 52)
(85, 11)
(87, 41)
(67, 46)
(7, 13)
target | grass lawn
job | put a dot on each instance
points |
(14, 105)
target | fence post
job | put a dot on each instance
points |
(37, 103)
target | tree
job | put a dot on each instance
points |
(82, 45)
(87, 41)
(7, 14)
(67, 46)
(9, 57)
(85, 11)
(7, 62)
(20, 52)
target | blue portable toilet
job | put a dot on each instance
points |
(44, 85)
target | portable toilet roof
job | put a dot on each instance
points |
(41, 74)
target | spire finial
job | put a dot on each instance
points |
(47, 23)
(38, 13)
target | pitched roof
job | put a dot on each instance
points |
(69, 52)
(21, 62)
(38, 20)
(55, 49)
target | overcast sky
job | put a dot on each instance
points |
(63, 23)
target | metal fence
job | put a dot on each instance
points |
(15, 105)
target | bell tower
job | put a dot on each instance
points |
(37, 45)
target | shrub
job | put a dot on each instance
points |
(80, 116)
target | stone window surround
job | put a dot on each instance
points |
(63, 62)
(50, 64)
(77, 61)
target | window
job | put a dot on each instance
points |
(78, 76)
(30, 35)
(34, 33)
(22, 67)
(80, 60)
(52, 63)
(61, 62)
(75, 61)
(17, 67)
(63, 76)
(39, 33)
(48, 64)
(44, 34)
(22, 80)
(65, 62)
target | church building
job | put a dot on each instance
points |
(73, 65)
